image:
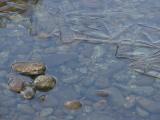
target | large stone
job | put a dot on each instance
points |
(29, 68)
(28, 92)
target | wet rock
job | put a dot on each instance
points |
(29, 68)
(73, 105)
(149, 105)
(44, 82)
(28, 92)
(16, 84)
(46, 112)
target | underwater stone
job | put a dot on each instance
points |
(28, 92)
(73, 105)
(16, 84)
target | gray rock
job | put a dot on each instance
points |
(46, 112)
(28, 92)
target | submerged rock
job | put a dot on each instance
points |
(16, 84)
(44, 82)
(29, 68)
(28, 92)
(73, 105)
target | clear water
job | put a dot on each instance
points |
(62, 34)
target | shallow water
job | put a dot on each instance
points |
(77, 40)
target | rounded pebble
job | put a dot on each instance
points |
(73, 105)
(28, 92)
(44, 82)
(16, 85)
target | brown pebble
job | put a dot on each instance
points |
(73, 105)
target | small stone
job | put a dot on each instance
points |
(28, 92)
(45, 82)
(16, 84)
(29, 68)
(73, 105)
(46, 112)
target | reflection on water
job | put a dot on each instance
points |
(90, 46)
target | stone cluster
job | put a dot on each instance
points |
(32, 78)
